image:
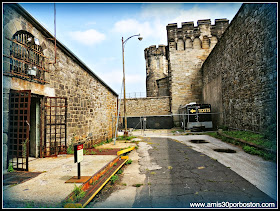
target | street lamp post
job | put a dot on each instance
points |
(124, 98)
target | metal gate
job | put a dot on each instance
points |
(150, 122)
(55, 122)
(19, 118)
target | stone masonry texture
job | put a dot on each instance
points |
(174, 70)
(232, 66)
(136, 107)
(188, 47)
(240, 74)
(156, 69)
(91, 103)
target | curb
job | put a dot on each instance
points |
(93, 185)
(247, 143)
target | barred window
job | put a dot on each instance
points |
(26, 58)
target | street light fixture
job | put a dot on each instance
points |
(124, 99)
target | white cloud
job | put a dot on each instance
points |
(147, 29)
(174, 13)
(179, 12)
(132, 26)
(154, 18)
(193, 14)
(116, 77)
(134, 78)
(159, 15)
(112, 78)
(88, 37)
(160, 10)
(91, 23)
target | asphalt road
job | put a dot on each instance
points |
(176, 176)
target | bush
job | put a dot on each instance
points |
(128, 161)
(79, 193)
(120, 171)
(114, 178)
(10, 168)
(251, 150)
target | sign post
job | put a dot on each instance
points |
(78, 157)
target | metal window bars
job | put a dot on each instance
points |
(24, 58)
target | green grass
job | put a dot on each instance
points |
(89, 152)
(102, 142)
(114, 178)
(224, 139)
(255, 138)
(255, 151)
(78, 193)
(128, 162)
(10, 168)
(125, 138)
(251, 137)
(70, 148)
(120, 171)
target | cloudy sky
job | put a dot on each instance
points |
(93, 32)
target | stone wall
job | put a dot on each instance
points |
(91, 102)
(163, 86)
(136, 107)
(240, 74)
(188, 48)
(156, 68)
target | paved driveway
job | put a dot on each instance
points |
(177, 175)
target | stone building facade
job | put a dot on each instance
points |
(174, 70)
(240, 74)
(147, 113)
(156, 69)
(49, 95)
(232, 66)
(136, 107)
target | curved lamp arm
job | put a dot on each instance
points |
(140, 38)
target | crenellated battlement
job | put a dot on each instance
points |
(179, 61)
(156, 68)
(203, 28)
(153, 50)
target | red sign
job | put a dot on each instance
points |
(79, 147)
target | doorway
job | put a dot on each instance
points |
(19, 126)
(35, 125)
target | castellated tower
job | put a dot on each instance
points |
(156, 71)
(188, 48)
(174, 70)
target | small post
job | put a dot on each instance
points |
(78, 157)
(184, 122)
(79, 170)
